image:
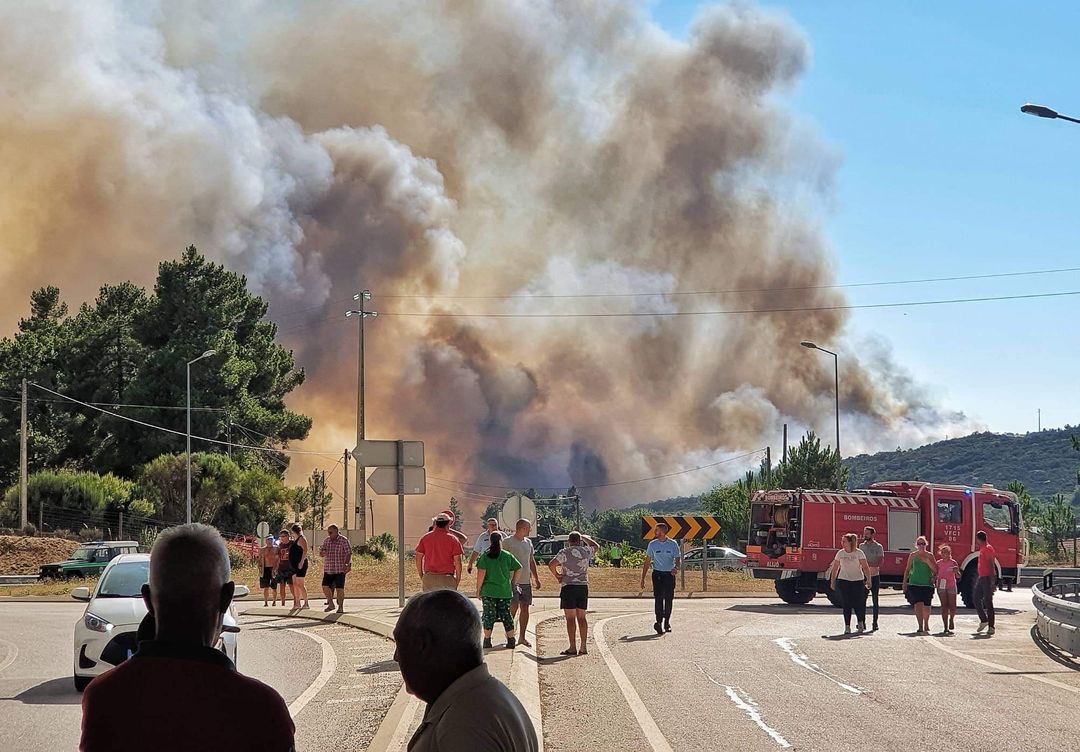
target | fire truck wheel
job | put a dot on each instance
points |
(789, 592)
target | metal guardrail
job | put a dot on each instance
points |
(1057, 616)
(18, 579)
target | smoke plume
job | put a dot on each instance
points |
(431, 150)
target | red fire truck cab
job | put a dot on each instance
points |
(794, 535)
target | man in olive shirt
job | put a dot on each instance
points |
(438, 650)
(875, 554)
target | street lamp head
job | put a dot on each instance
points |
(208, 353)
(1039, 111)
(366, 295)
(808, 344)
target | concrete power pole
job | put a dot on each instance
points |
(361, 474)
(345, 524)
(22, 460)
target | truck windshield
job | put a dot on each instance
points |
(997, 515)
(83, 554)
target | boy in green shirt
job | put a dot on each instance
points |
(497, 573)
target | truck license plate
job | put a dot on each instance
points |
(772, 563)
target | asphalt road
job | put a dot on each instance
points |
(338, 681)
(758, 675)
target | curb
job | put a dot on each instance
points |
(692, 595)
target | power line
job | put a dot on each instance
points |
(733, 290)
(119, 405)
(678, 293)
(182, 433)
(667, 314)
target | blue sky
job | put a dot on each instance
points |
(940, 174)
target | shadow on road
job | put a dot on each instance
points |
(640, 638)
(1053, 653)
(824, 608)
(382, 667)
(52, 692)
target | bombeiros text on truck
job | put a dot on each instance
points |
(795, 534)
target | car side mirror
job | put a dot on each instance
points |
(81, 593)
(241, 591)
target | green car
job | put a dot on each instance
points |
(88, 560)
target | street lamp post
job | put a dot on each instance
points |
(361, 474)
(206, 354)
(1039, 110)
(836, 376)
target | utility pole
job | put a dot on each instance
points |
(577, 511)
(401, 522)
(768, 467)
(322, 500)
(345, 525)
(784, 456)
(361, 473)
(22, 460)
(371, 516)
(1040, 420)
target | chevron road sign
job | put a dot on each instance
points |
(681, 526)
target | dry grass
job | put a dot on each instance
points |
(370, 576)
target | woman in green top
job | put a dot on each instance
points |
(919, 583)
(497, 573)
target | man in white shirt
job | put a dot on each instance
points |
(483, 542)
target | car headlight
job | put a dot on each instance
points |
(96, 623)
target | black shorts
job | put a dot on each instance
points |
(574, 596)
(301, 572)
(920, 594)
(334, 581)
(267, 579)
(284, 576)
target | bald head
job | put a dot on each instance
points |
(189, 588)
(438, 640)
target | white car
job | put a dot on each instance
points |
(105, 635)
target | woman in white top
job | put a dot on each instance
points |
(851, 573)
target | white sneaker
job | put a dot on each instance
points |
(847, 630)
(982, 627)
(990, 631)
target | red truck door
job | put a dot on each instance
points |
(996, 518)
(952, 523)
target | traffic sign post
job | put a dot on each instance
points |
(385, 454)
(399, 469)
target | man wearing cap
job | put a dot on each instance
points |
(438, 556)
(664, 556)
(483, 542)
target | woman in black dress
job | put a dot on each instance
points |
(298, 557)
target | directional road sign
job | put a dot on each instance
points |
(384, 481)
(384, 454)
(681, 526)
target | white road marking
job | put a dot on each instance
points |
(13, 653)
(401, 733)
(746, 704)
(998, 667)
(347, 700)
(652, 732)
(788, 646)
(329, 666)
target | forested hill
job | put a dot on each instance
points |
(1045, 462)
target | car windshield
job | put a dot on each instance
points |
(83, 554)
(125, 580)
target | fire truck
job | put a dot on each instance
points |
(794, 535)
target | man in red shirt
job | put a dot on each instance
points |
(986, 584)
(438, 556)
(178, 687)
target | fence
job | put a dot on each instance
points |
(1057, 617)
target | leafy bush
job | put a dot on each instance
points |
(369, 552)
(91, 534)
(385, 541)
(29, 530)
(73, 496)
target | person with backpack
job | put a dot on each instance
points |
(497, 574)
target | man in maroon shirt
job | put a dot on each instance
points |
(178, 687)
(438, 556)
